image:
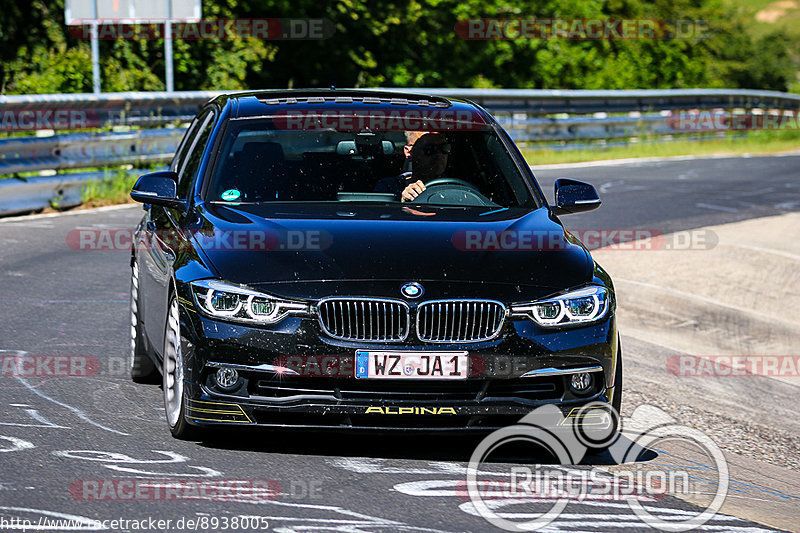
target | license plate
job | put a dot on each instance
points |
(405, 365)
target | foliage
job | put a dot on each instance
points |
(410, 44)
(114, 189)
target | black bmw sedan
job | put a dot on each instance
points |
(343, 259)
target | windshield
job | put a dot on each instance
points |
(263, 160)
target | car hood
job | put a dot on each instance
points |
(258, 244)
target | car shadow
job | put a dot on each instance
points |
(400, 445)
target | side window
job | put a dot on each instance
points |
(186, 141)
(194, 154)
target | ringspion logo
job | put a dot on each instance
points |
(578, 485)
(567, 440)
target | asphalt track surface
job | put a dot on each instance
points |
(58, 434)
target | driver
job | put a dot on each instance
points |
(427, 153)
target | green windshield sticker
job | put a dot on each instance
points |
(230, 195)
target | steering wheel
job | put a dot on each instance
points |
(459, 192)
(449, 181)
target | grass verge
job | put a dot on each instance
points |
(112, 190)
(759, 142)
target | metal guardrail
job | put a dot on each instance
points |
(80, 111)
(162, 107)
(21, 195)
(81, 150)
(529, 116)
(539, 102)
(586, 127)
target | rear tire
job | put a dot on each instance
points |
(172, 374)
(142, 368)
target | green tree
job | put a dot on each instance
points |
(412, 44)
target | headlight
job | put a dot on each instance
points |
(576, 307)
(222, 300)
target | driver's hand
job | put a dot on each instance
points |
(412, 191)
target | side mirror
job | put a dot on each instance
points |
(158, 188)
(574, 196)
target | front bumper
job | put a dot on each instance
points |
(309, 415)
(292, 375)
(268, 396)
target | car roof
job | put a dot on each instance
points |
(261, 103)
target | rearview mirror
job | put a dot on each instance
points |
(364, 149)
(574, 196)
(158, 188)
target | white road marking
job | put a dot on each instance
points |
(20, 425)
(62, 301)
(618, 519)
(644, 160)
(33, 413)
(718, 208)
(11, 220)
(366, 520)
(16, 444)
(704, 299)
(757, 192)
(117, 459)
(114, 457)
(371, 465)
(377, 466)
(619, 514)
(33, 224)
(205, 471)
(77, 412)
(469, 508)
(604, 187)
(765, 250)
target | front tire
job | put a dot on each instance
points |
(142, 368)
(616, 401)
(172, 376)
